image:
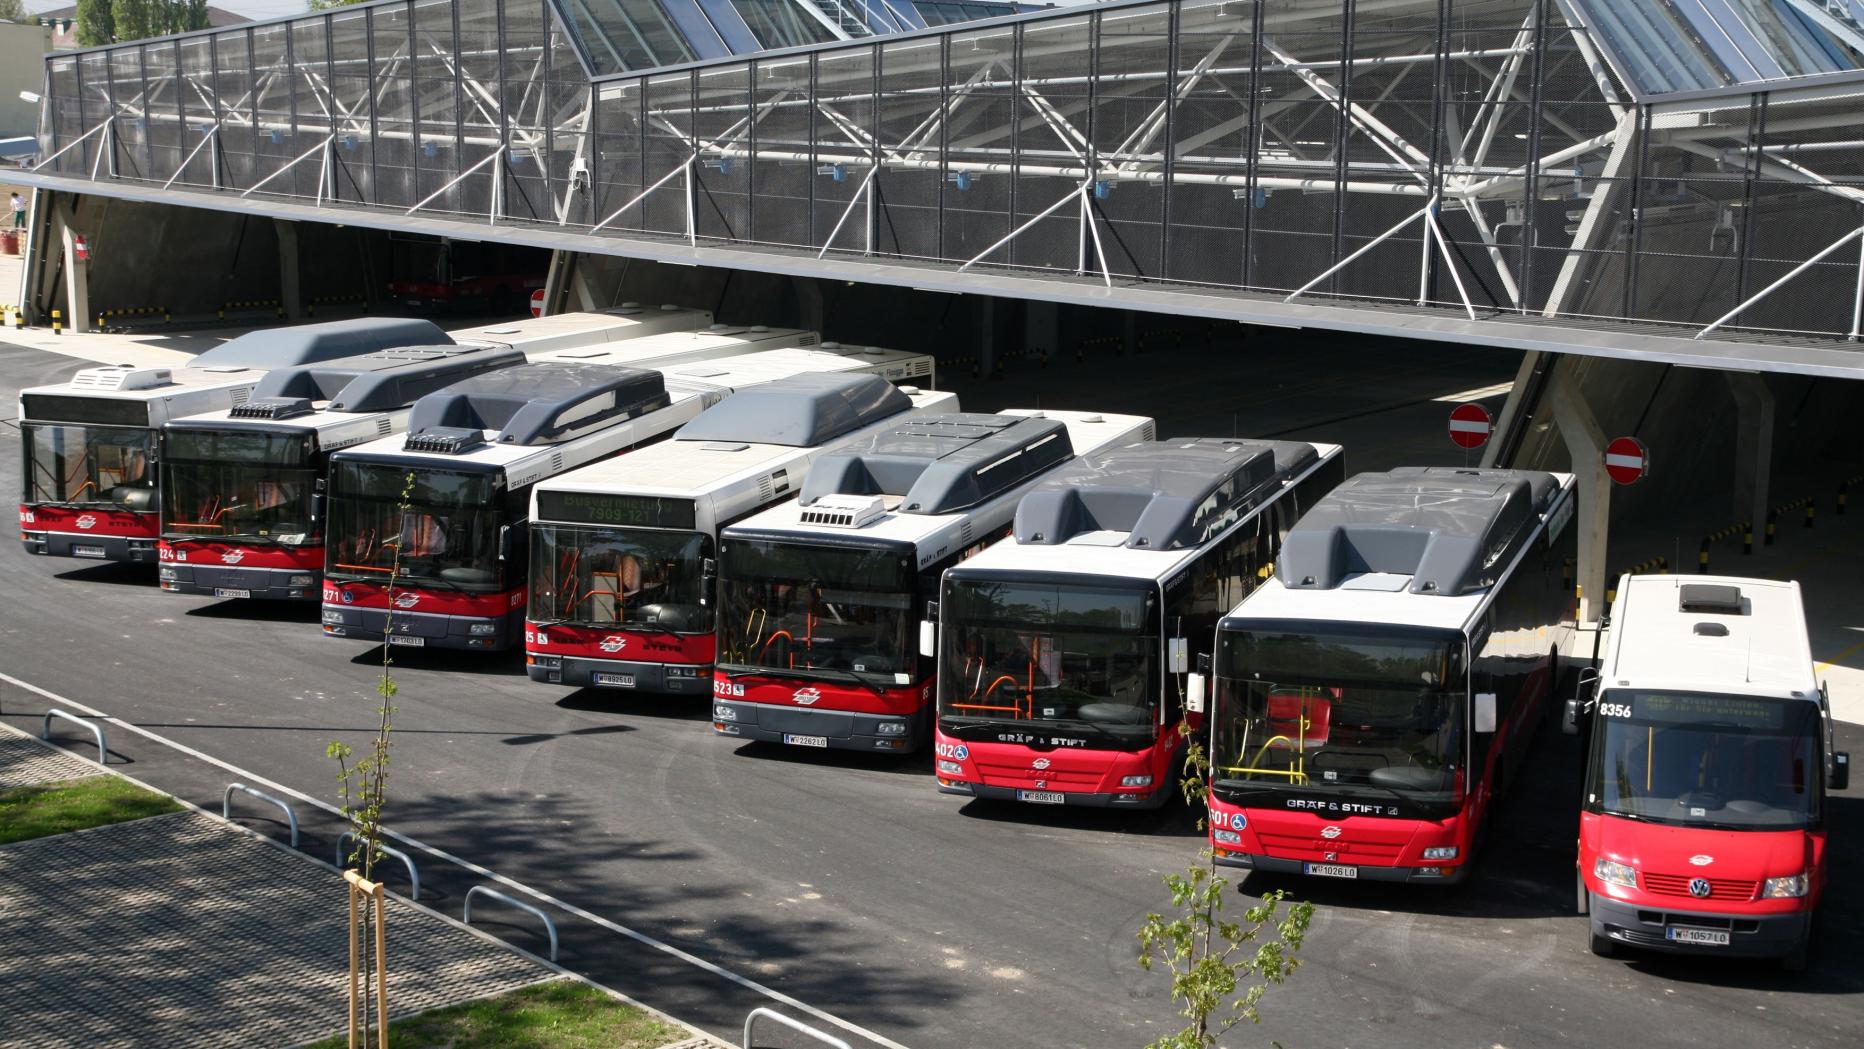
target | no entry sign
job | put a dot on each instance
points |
(537, 303)
(1469, 425)
(1626, 459)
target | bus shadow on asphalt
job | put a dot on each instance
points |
(447, 660)
(528, 738)
(1174, 819)
(258, 611)
(664, 706)
(115, 573)
(919, 764)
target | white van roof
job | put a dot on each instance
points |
(1701, 633)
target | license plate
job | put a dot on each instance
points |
(1704, 937)
(1039, 797)
(221, 591)
(805, 741)
(1330, 870)
(407, 639)
(620, 680)
(88, 551)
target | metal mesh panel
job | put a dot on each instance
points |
(71, 97)
(1132, 56)
(353, 103)
(617, 169)
(1052, 129)
(233, 88)
(844, 128)
(667, 149)
(722, 179)
(781, 176)
(527, 101)
(567, 120)
(393, 94)
(980, 72)
(911, 75)
(160, 109)
(482, 109)
(436, 146)
(1212, 139)
(316, 120)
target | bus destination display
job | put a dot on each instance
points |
(601, 508)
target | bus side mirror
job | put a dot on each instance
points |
(1203, 662)
(1194, 694)
(1570, 722)
(504, 542)
(928, 638)
(1840, 778)
(319, 502)
(1178, 656)
(1484, 714)
(708, 567)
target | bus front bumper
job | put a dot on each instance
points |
(1653, 928)
(819, 729)
(424, 629)
(278, 584)
(89, 547)
(679, 679)
(1451, 875)
(1078, 799)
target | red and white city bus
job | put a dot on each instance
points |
(623, 583)
(1702, 826)
(819, 598)
(475, 451)
(1064, 649)
(244, 488)
(92, 445)
(1378, 694)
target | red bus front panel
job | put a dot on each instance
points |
(823, 714)
(617, 657)
(1041, 772)
(99, 534)
(235, 570)
(424, 617)
(1344, 839)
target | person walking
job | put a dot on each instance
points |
(19, 211)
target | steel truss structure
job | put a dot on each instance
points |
(1498, 159)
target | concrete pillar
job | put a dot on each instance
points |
(77, 278)
(290, 279)
(556, 279)
(1041, 329)
(1585, 445)
(1511, 408)
(586, 289)
(1754, 415)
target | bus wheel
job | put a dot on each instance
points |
(1603, 946)
(1794, 961)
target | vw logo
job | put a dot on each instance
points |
(1699, 887)
(1700, 860)
(613, 643)
(233, 557)
(1039, 764)
(1330, 833)
(406, 600)
(807, 696)
(86, 521)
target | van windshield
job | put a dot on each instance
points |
(1699, 759)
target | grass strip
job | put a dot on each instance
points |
(45, 809)
(561, 1014)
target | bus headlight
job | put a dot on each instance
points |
(331, 615)
(166, 574)
(300, 580)
(482, 629)
(1611, 872)
(723, 713)
(1783, 888)
(1226, 837)
(1135, 781)
(891, 728)
(950, 768)
(1440, 852)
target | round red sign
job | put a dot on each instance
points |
(537, 303)
(1626, 459)
(1469, 425)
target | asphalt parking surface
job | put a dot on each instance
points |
(847, 881)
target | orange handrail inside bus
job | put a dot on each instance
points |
(773, 640)
(365, 568)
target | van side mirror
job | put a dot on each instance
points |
(1484, 713)
(1194, 694)
(928, 638)
(1569, 722)
(1840, 777)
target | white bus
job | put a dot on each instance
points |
(623, 552)
(820, 599)
(1064, 650)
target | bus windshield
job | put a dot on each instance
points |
(817, 611)
(1729, 762)
(447, 535)
(239, 484)
(1354, 708)
(599, 576)
(1032, 652)
(90, 465)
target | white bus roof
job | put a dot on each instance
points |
(659, 349)
(1116, 512)
(934, 462)
(1418, 546)
(1703, 633)
(564, 330)
(899, 366)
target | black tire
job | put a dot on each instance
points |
(1603, 946)
(1794, 961)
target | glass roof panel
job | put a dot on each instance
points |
(1667, 46)
(619, 35)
